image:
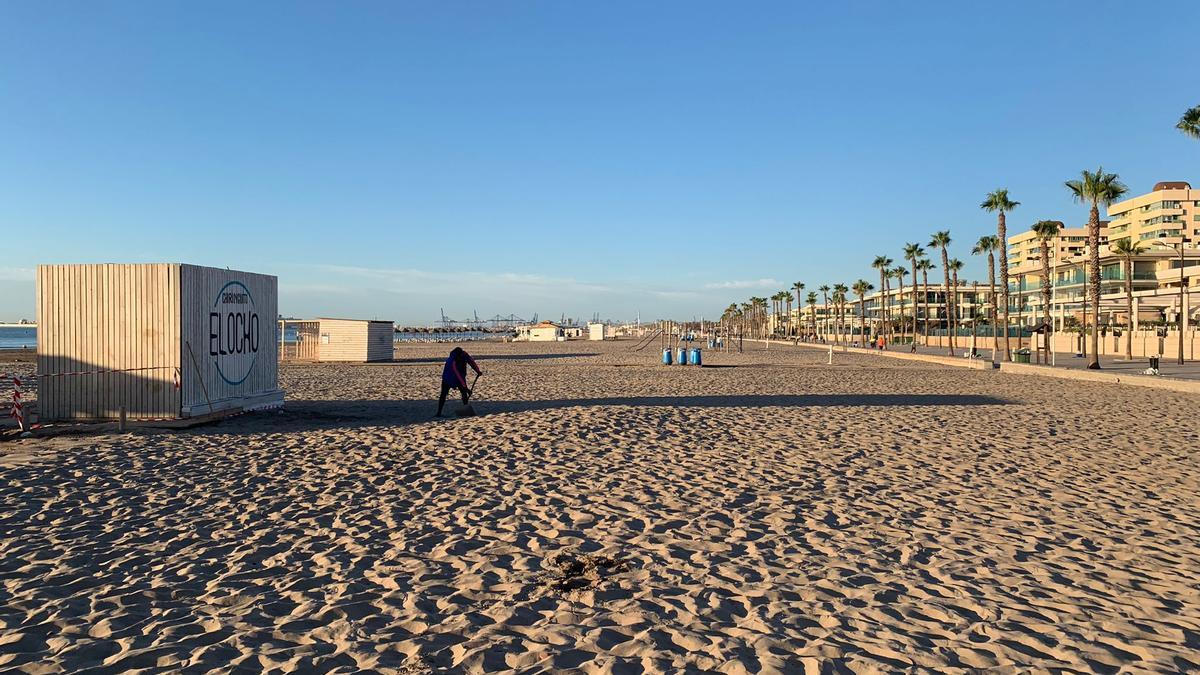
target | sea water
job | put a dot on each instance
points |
(26, 338)
(18, 338)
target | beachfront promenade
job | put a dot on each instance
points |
(604, 513)
(1168, 368)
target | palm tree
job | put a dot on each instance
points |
(824, 288)
(989, 244)
(761, 303)
(912, 253)
(940, 240)
(883, 264)
(898, 273)
(729, 315)
(785, 298)
(1096, 189)
(839, 298)
(1190, 122)
(954, 265)
(1128, 249)
(998, 201)
(924, 265)
(861, 288)
(796, 288)
(788, 302)
(812, 310)
(1047, 231)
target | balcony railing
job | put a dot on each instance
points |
(1077, 279)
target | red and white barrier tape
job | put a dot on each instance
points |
(18, 411)
(106, 372)
(175, 376)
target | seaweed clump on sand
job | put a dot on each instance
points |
(575, 572)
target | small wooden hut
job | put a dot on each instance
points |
(159, 341)
(336, 340)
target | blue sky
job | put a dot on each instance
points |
(389, 159)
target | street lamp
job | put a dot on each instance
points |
(1053, 299)
(1082, 260)
(1183, 308)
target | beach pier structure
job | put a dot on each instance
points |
(336, 340)
(160, 341)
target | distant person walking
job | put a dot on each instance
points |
(454, 376)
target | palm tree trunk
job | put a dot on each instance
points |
(1094, 254)
(882, 295)
(1129, 309)
(954, 316)
(992, 294)
(1083, 317)
(925, 302)
(862, 317)
(842, 318)
(1046, 300)
(1002, 235)
(798, 305)
(949, 301)
(825, 324)
(974, 317)
(914, 299)
(887, 310)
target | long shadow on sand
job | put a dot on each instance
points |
(301, 415)
(494, 357)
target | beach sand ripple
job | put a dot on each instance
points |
(603, 514)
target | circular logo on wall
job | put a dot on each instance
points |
(233, 333)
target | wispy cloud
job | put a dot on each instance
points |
(412, 280)
(745, 283)
(674, 295)
(416, 295)
(17, 274)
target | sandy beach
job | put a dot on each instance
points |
(605, 514)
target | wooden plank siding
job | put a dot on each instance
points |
(307, 345)
(355, 341)
(228, 341)
(107, 317)
(343, 340)
(381, 341)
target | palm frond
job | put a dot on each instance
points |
(1189, 124)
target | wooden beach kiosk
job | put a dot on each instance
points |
(336, 340)
(159, 341)
(546, 331)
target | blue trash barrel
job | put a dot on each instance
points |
(683, 356)
(695, 358)
(667, 356)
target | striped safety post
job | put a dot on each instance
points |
(17, 413)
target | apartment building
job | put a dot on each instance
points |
(1170, 213)
(1165, 223)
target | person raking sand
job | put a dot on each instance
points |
(454, 376)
